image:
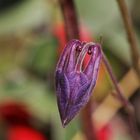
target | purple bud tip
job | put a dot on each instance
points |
(74, 84)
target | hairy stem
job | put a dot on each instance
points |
(127, 105)
(131, 35)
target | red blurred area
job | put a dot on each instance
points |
(17, 117)
(104, 133)
(20, 132)
(14, 113)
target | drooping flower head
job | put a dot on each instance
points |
(74, 83)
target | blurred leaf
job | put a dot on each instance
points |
(42, 56)
(25, 15)
(34, 93)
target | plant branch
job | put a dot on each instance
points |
(110, 104)
(70, 19)
(87, 123)
(131, 35)
(127, 105)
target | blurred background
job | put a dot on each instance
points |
(32, 37)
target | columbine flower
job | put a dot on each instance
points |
(74, 84)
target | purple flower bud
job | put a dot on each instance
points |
(74, 84)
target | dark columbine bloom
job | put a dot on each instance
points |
(74, 83)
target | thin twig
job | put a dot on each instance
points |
(87, 123)
(131, 35)
(127, 105)
(70, 19)
(111, 105)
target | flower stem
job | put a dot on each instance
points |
(130, 35)
(87, 122)
(70, 19)
(127, 105)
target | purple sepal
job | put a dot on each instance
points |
(74, 84)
